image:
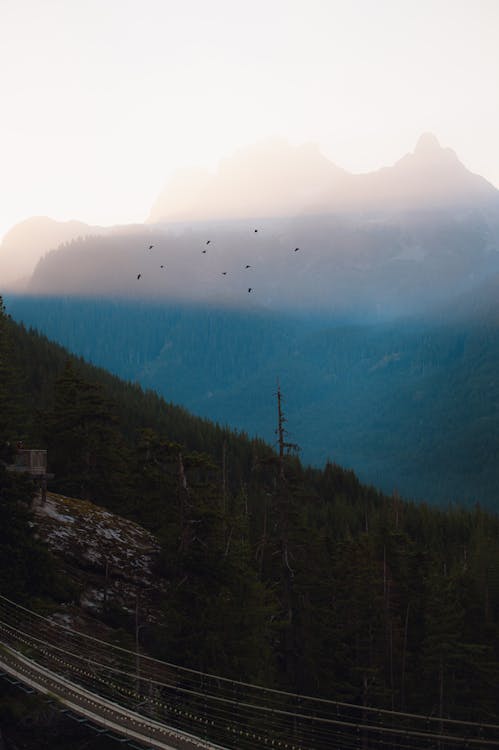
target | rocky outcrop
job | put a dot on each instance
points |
(110, 560)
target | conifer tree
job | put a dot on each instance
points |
(11, 413)
(218, 614)
(26, 568)
(87, 453)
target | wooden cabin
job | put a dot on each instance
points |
(34, 463)
(30, 461)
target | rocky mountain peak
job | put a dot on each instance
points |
(428, 143)
(429, 153)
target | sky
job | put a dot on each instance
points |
(103, 100)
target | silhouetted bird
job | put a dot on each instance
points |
(255, 230)
(224, 273)
(161, 266)
(203, 251)
(247, 266)
(249, 290)
(296, 249)
(139, 275)
(151, 247)
(208, 242)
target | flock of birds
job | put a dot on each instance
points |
(223, 273)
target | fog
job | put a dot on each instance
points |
(271, 178)
(276, 179)
(282, 228)
(28, 241)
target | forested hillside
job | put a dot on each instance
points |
(279, 574)
(411, 405)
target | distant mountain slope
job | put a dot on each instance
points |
(269, 179)
(336, 264)
(27, 242)
(312, 237)
(430, 178)
(410, 405)
(292, 578)
(276, 179)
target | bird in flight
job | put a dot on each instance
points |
(162, 266)
(296, 249)
(247, 266)
(208, 242)
(139, 275)
(203, 251)
(224, 273)
(151, 247)
(255, 230)
(250, 290)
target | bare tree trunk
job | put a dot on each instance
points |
(441, 694)
(137, 630)
(183, 493)
(263, 543)
(224, 476)
(404, 659)
(280, 432)
(106, 587)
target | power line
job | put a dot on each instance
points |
(224, 707)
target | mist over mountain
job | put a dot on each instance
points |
(271, 178)
(431, 178)
(379, 321)
(27, 242)
(394, 242)
(411, 405)
(30, 240)
(343, 266)
(276, 179)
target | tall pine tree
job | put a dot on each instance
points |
(86, 449)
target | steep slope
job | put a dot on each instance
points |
(345, 266)
(285, 576)
(107, 558)
(27, 242)
(410, 405)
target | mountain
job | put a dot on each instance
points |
(276, 179)
(269, 573)
(27, 242)
(269, 179)
(411, 404)
(343, 266)
(32, 239)
(431, 178)
(398, 241)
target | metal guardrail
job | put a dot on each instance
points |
(97, 709)
(213, 711)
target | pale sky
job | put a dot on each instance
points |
(101, 100)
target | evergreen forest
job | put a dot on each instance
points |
(387, 399)
(278, 573)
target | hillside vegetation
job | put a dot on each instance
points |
(275, 573)
(411, 405)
